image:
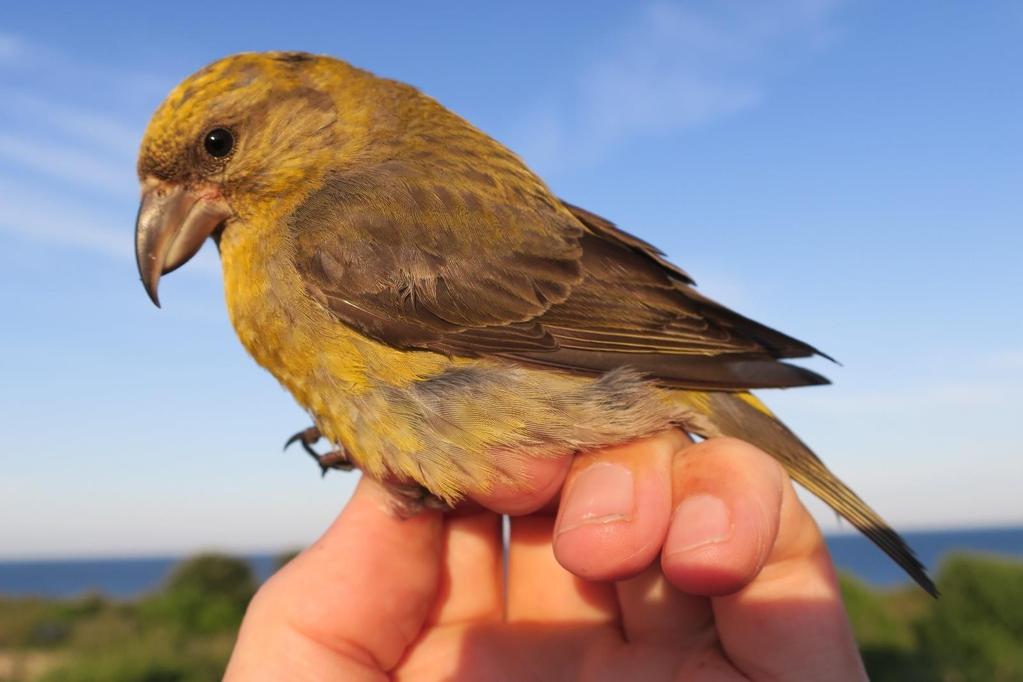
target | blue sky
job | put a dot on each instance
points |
(849, 172)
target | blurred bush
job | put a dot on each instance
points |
(153, 656)
(883, 623)
(35, 622)
(183, 632)
(973, 632)
(203, 595)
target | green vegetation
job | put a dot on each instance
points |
(181, 633)
(973, 632)
(184, 631)
(204, 595)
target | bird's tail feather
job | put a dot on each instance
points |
(742, 416)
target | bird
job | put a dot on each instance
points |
(443, 316)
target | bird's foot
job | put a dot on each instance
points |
(335, 459)
(409, 499)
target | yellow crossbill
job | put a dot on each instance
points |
(440, 313)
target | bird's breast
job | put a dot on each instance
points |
(344, 379)
(281, 326)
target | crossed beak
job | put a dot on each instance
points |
(172, 224)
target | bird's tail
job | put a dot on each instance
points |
(743, 416)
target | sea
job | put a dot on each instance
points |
(131, 577)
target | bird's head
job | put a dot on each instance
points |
(240, 134)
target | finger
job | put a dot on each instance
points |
(471, 586)
(538, 482)
(739, 532)
(540, 589)
(351, 603)
(653, 611)
(790, 623)
(615, 508)
(727, 497)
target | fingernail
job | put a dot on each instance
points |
(700, 520)
(601, 494)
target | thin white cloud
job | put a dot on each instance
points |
(43, 216)
(66, 155)
(676, 67)
(65, 118)
(81, 168)
(97, 129)
(43, 66)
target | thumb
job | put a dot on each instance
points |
(351, 603)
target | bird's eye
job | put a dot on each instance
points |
(218, 142)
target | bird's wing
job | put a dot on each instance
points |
(416, 264)
(471, 269)
(632, 307)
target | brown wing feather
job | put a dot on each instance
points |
(435, 266)
(493, 265)
(641, 269)
(611, 232)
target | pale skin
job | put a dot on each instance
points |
(657, 560)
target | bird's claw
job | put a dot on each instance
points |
(336, 459)
(306, 437)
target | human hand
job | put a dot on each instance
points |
(744, 588)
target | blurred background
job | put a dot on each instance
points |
(848, 172)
